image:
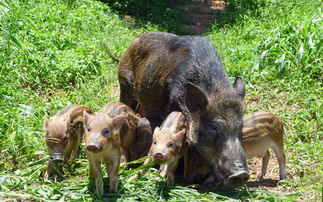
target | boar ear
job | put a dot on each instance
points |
(179, 137)
(118, 121)
(195, 99)
(45, 124)
(239, 87)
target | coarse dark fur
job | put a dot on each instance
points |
(164, 72)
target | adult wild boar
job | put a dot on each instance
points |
(164, 72)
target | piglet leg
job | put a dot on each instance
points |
(112, 170)
(95, 171)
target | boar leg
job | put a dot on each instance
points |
(127, 89)
(265, 160)
(126, 153)
(112, 171)
(209, 180)
(96, 173)
(281, 158)
(186, 165)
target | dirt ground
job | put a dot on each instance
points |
(271, 179)
(202, 14)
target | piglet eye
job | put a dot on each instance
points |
(155, 142)
(88, 129)
(64, 138)
(106, 132)
(170, 145)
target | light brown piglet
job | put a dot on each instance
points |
(64, 134)
(109, 134)
(169, 145)
(261, 131)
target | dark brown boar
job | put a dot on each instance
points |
(142, 143)
(261, 131)
(64, 134)
(168, 147)
(164, 72)
(199, 172)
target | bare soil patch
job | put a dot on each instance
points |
(201, 15)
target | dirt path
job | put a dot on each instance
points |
(201, 15)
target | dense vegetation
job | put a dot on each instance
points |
(51, 57)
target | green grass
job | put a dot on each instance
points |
(50, 56)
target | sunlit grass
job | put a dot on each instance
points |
(50, 56)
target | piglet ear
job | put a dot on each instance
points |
(85, 117)
(45, 124)
(179, 137)
(118, 121)
(157, 130)
(68, 125)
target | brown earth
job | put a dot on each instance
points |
(201, 15)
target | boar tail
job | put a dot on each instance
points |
(114, 58)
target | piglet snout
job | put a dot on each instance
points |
(94, 148)
(161, 156)
(57, 157)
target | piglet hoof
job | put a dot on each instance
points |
(100, 192)
(132, 178)
(46, 177)
(260, 177)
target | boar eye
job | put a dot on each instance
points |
(170, 145)
(88, 129)
(214, 126)
(106, 132)
(155, 142)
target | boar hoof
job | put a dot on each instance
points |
(281, 177)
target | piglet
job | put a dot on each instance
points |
(261, 131)
(169, 145)
(109, 134)
(64, 134)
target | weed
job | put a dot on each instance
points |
(51, 57)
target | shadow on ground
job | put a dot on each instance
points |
(184, 16)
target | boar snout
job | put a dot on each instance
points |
(237, 178)
(94, 147)
(161, 156)
(239, 174)
(57, 157)
(231, 165)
